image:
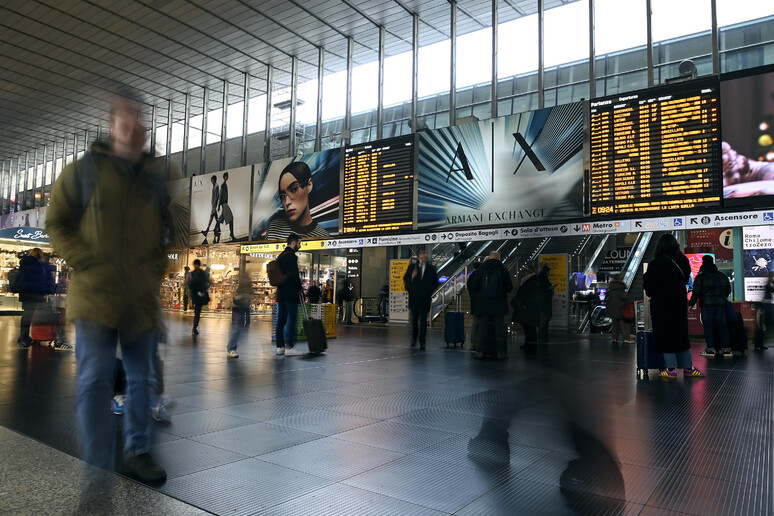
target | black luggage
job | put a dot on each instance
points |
(315, 332)
(454, 328)
(737, 333)
(647, 356)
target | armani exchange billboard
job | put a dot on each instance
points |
(512, 170)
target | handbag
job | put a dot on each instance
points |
(627, 313)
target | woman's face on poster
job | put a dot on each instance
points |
(294, 197)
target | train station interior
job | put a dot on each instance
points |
(568, 141)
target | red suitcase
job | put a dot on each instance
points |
(45, 323)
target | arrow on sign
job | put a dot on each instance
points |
(577, 228)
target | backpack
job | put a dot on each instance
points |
(274, 272)
(491, 283)
(14, 276)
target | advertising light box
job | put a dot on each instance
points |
(518, 169)
(747, 113)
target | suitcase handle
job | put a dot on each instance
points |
(303, 305)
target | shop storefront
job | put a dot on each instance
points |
(15, 242)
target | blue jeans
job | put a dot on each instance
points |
(682, 359)
(95, 352)
(240, 322)
(713, 318)
(287, 323)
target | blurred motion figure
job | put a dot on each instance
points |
(109, 219)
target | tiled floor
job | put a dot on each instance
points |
(376, 427)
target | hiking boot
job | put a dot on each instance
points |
(708, 353)
(117, 404)
(693, 373)
(144, 469)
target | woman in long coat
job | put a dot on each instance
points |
(664, 281)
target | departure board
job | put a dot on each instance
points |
(656, 150)
(378, 186)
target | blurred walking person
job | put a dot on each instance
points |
(109, 218)
(240, 313)
(615, 300)
(198, 282)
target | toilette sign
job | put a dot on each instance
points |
(25, 234)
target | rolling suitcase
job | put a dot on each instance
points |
(315, 331)
(454, 328)
(647, 356)
(45, 323)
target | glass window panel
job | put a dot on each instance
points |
(234, 120)
(334, 95)
(474, 58)
(397, 79)
(434, 68)
(566, 33)
(178, 132)
(517, 46)
(214, 122)
(306, 113)
(256, 116)
(611, 35)
(672, 20)
(161, 140)
(365, 87)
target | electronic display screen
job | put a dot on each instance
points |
(655, 150)
(378, 186)
(747, 131)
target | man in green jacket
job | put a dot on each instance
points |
(108, 218)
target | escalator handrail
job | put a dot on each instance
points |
(595, 256)
(637, 254)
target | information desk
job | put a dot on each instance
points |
(378, 187)
(656, 150)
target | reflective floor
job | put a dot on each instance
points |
(376, 427)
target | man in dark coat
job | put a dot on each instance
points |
(664, 282)
(491, 285)
(526, 306)
(35, 281)
(288, 299)
(198, 282)
(421, 280)
(711, 289)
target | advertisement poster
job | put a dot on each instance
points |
(220, 206)
(297, 195)
(747, 104)
(398, 296)
(758, 259)
(178, 191)
(695, 260)
(512, 170)
(557, 274)
(615, 259)
(717, 241)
